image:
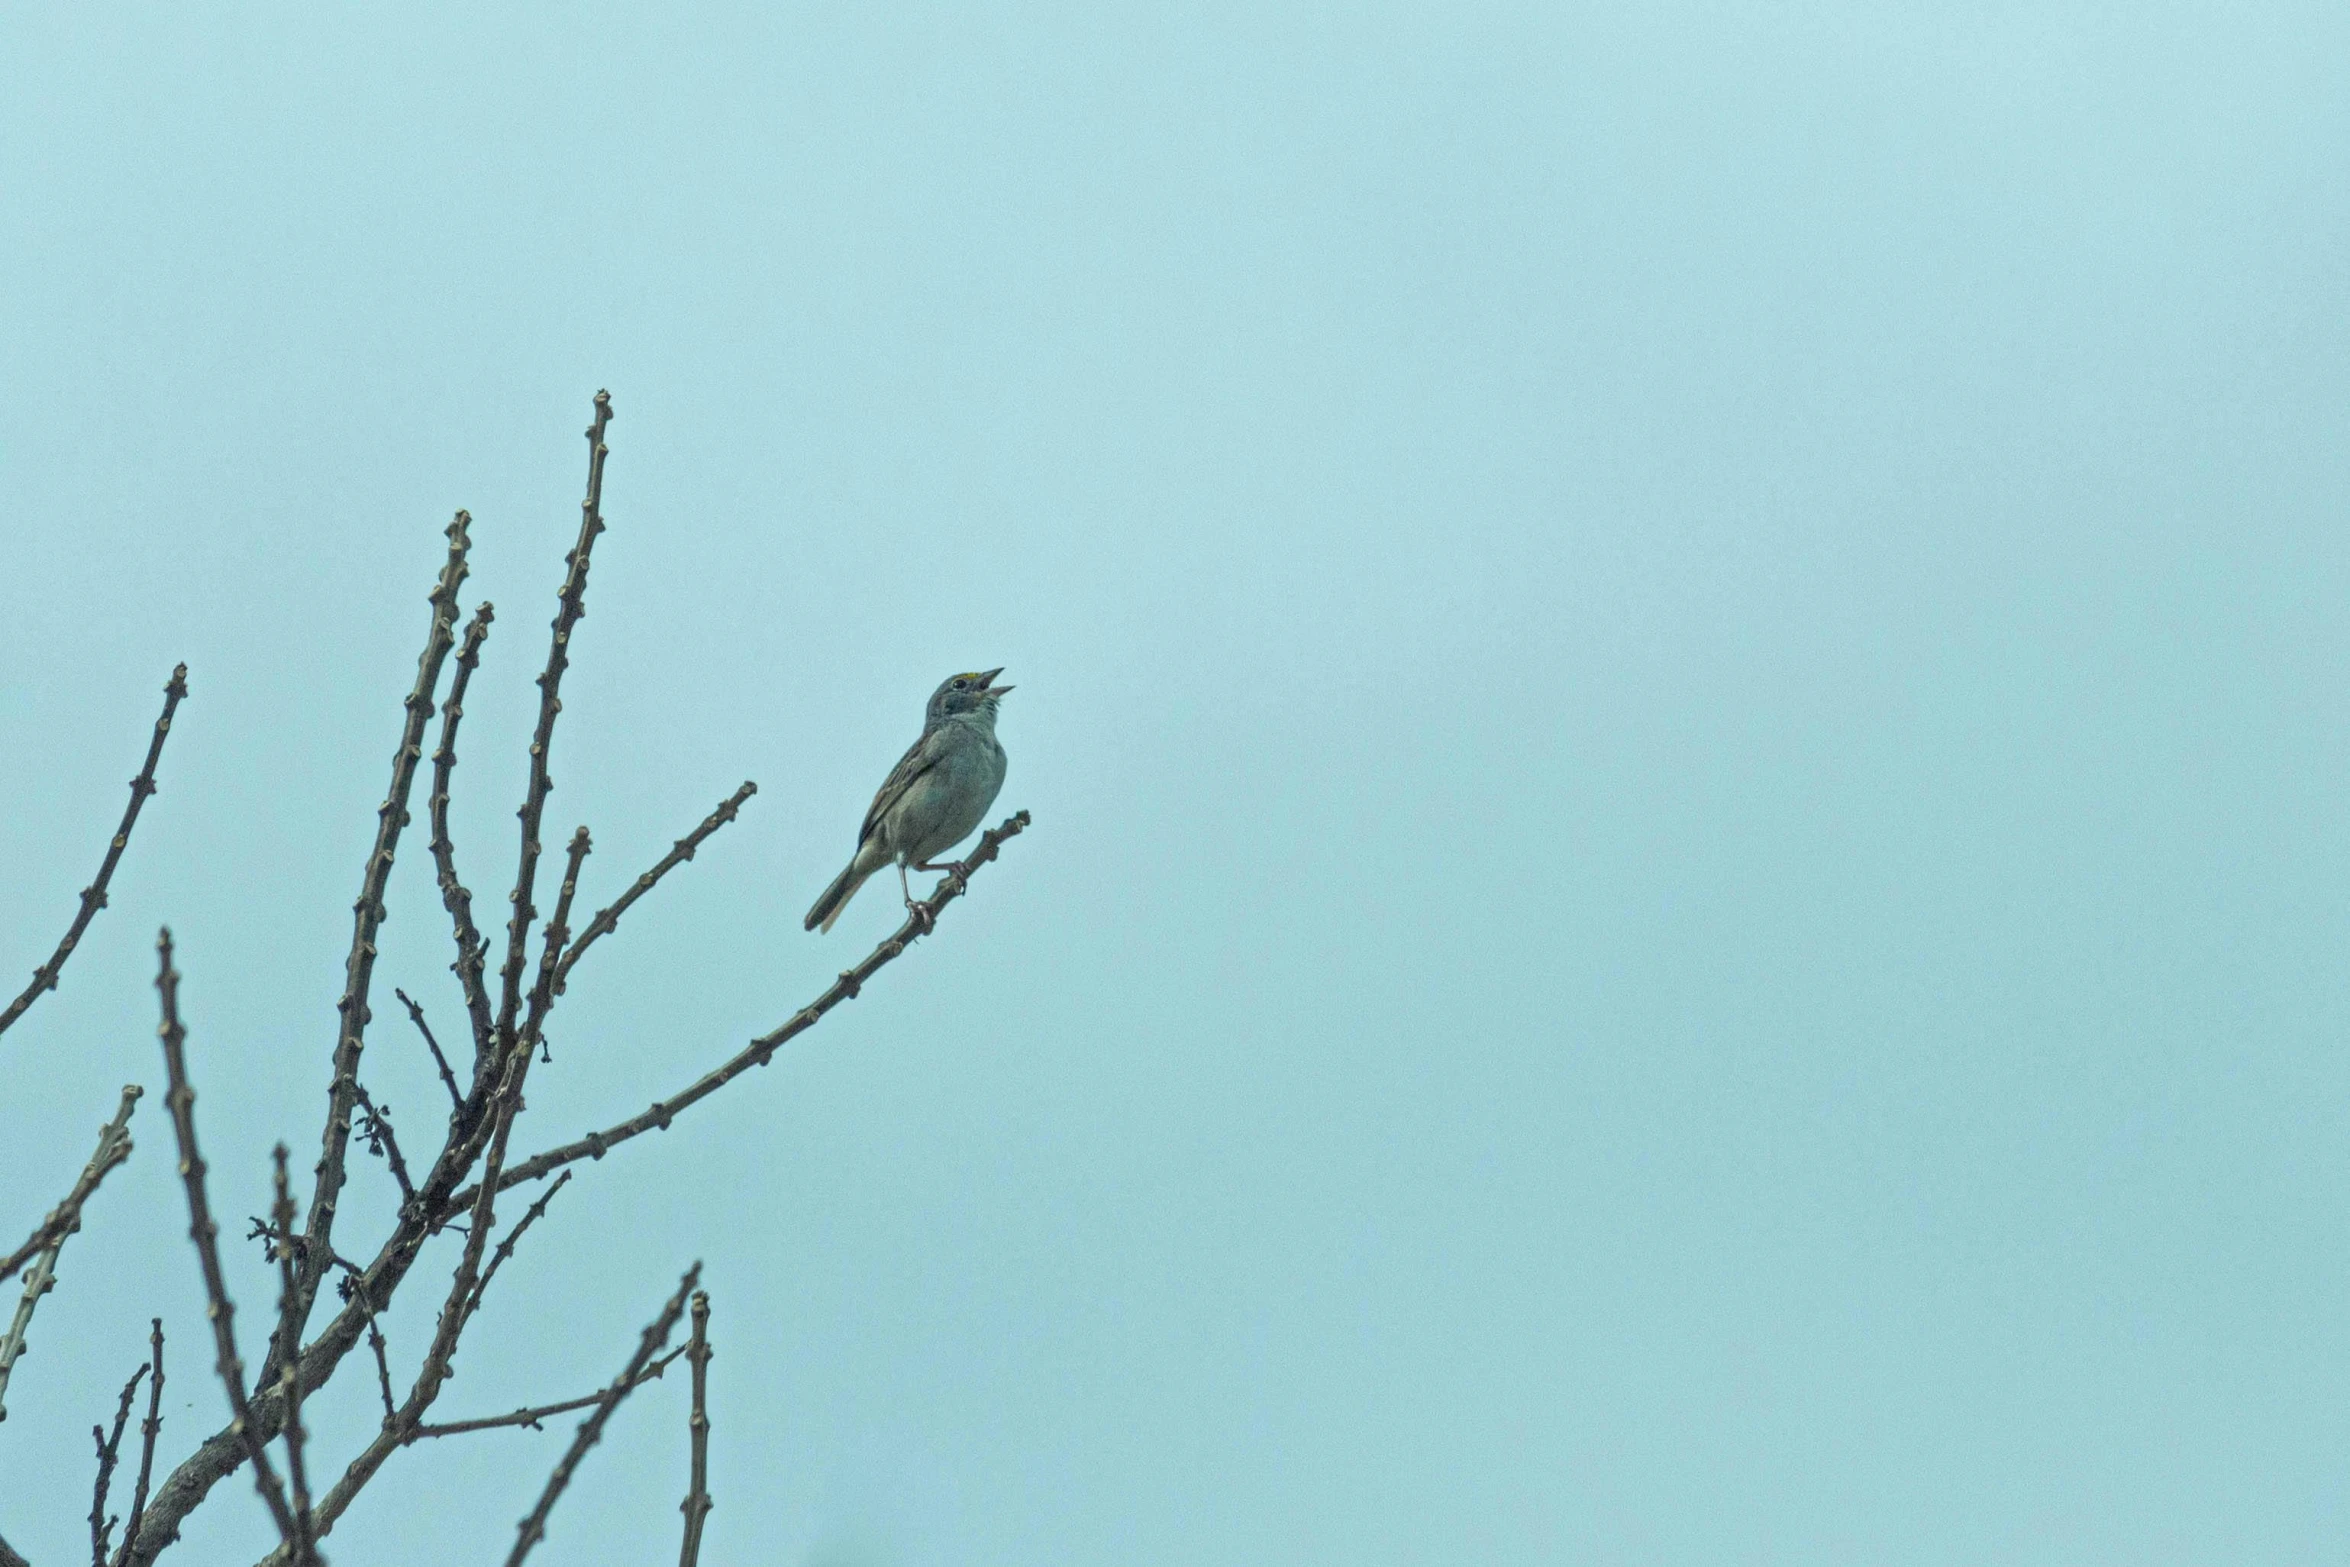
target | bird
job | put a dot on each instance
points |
(933, 798)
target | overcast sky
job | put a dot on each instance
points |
(1679, 668)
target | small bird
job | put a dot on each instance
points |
(933, 798)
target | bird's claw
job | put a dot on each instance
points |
(958, 874)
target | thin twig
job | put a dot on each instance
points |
(181, 1100)
(383, 1367)
(571, 605)
(276, 1242)
(678, 854)
(114, 1146)
(380, 1140)
(289, 1356)
(149, 1429)
(761, 1050)
(697, 1503)
(449, 1078)
(513, 1237)
(367, 913)
(472, 950)
(465, 1296)
(556, 937)
(591, 1430)
(354, 1289)
(94, 895)
(109, 1448)
(531, 1417)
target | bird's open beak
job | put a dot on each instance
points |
(988, 685)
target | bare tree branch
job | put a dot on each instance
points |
(531, 1417)
(527, 1418)
(109, 1448)
(289, 1346)
(219, 1455)
(697, 1503)
(571, 606)
(94, 895)
(448, 1078)
(367, 913)
(591, 1430)
(472, 951)
(470, 1136)
(465, 1287)
(557, 936)
(114, 1146)
(149, 1429)
(37, 1283)
(465, 1294)
(181, 1100)
(762, 1049)
(682, 851)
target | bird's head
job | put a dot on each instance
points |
(967, 693)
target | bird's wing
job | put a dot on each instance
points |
(920, 757)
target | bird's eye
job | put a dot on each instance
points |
(961, 684)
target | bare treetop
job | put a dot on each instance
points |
(459, 1185)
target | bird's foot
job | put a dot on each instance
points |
(958, 874)
(924, 918)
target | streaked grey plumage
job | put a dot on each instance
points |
(934, 798)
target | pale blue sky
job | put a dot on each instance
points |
(1679, 669)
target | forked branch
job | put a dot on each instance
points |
(471, 949)
(367, 913)
(109, 1451)
(679, 853)
(571, 607)
(149, 1429)
(531, 1417)
(513, 1239)
(468, 1281)
(761, 1050)
(180, 1099)
(591, 1430)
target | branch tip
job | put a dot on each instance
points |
(93, 897)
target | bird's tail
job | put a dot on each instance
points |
(836, 897)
